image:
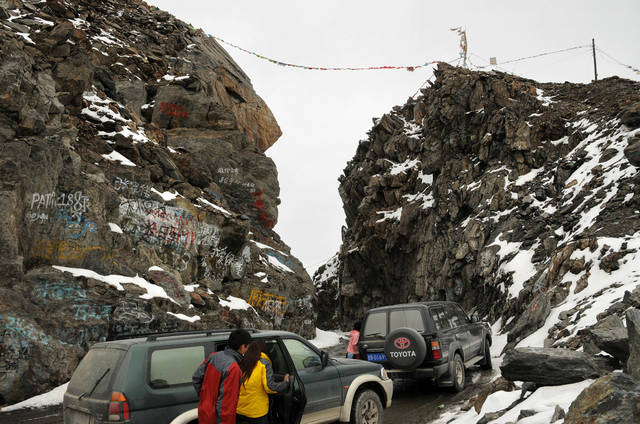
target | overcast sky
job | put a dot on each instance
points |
(323, 114)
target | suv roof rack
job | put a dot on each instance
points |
(152, 337)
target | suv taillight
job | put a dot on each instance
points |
(118, 407)
(435, 349)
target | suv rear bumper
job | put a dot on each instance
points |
(431, 372)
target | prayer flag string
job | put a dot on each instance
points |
(636, 70)
(310, 68)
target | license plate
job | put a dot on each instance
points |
(376, 357)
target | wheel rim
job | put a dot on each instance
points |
(369, 412)
(459, 374)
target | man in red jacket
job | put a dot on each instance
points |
(217, 381)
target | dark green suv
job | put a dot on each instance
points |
(148, 380)
(434, 340)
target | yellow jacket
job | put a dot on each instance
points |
(254, 399)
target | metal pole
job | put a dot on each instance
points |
(595, 67)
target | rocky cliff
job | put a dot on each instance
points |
(518, 199)
(135, 194)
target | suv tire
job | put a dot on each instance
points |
(367, 409)
(486, 364)
(457, 372)
(405, 348)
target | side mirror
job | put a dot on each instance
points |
(312, 361)
(324, 358)
(474, 317)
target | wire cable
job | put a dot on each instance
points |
(535, 55)
(636, 70)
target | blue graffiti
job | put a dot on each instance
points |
(59, 290)
(283, 260)
(24, 328)
(78, 224)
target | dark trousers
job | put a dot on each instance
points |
(240, 419)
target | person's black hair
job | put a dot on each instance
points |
(357, 325)
(239, 337)
(251, 358)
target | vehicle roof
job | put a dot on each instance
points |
(170, 338)
(414, 304)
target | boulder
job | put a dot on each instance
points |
(633, 328)
(552, 366)
(630, 115)
(611, 399)
(610, 335)
(532, 318)
(632, 151)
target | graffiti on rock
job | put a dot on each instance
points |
(259, 204)
(132, 311)
(133, 188)
(281, 258)
(23, 328)
(156, 223)
(63, 251)
(75, 297)
(271, 304)
(75, 204)
(171, 109)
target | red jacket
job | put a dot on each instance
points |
(217, 380)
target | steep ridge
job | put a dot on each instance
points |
(518, 199)
(135, 195)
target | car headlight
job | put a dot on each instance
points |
(383, 373)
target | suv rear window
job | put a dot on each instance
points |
(411, 318)
(456, 315)
(94, 372)
(376, 324)
(175, 365)
(439, 318)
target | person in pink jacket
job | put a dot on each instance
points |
(354, 336)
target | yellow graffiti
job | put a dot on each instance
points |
(267, 302)
(68, 250)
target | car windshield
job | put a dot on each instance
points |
(92, 376)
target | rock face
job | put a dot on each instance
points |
(135, 195)
(633, 327)
(552, 366)
(611, 399)
(325, 281)
(503, 194)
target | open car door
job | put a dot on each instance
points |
(287, 407)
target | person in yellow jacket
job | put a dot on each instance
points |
(256, 384)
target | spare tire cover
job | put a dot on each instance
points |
(405, 348)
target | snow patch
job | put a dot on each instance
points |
(402, 168)
(390, 215)
(326, 339)
(53, 397)
(216, 207)
(166, 195)
(117, 157)
(115, 228)
(185, 317)
(118, 280)
(233, 302)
